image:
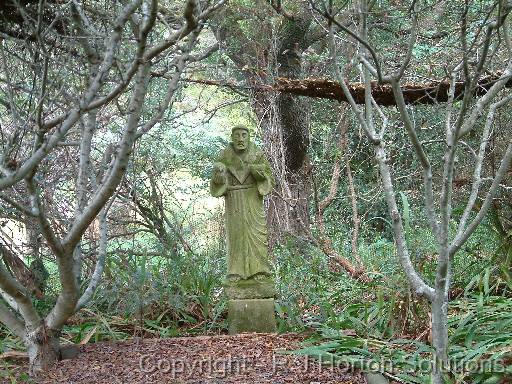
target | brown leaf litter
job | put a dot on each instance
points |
(240, 359)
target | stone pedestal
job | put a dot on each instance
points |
(251, 315)
(251, 306)
(250, 289)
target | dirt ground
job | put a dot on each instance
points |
(246, 358)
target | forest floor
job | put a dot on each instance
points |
(240, 359)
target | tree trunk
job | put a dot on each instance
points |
(439, 337)
(287, 206)
(39, 272)
(284, 122)
(283, 118)
(43, 349)
(440, 316)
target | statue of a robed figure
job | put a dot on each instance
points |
(242, 176)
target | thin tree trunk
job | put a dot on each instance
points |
(440, 316)
(356, 270)
(439, 309)
(352, 189)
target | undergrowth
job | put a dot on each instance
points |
(480, 334)
(357, 323)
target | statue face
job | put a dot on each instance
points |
(240, 139)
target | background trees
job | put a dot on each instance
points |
(76, 80)
(463, 115)
(107, 143)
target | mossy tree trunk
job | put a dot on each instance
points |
(283, 118)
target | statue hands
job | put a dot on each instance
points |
(257, 171)
(219, 173)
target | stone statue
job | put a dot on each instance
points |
(242, 175)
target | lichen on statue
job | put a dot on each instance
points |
(242, 175)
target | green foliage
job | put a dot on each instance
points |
(310, 292)
(359, 323)
(8, 341)
(165, 293)
(307, 288)
(364, 325)
(480, 329)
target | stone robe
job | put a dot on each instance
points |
(246, 228)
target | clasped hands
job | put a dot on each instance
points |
(220, 172)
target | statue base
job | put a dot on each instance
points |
(250, 289)
(251, 315)
(251, 305)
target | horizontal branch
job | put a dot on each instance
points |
(413, 93)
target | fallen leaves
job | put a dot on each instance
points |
(245, 358)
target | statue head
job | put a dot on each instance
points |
(240, 138)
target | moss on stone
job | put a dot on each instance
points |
(250, 289)
(251, 315)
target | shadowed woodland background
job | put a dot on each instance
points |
(107, 147)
